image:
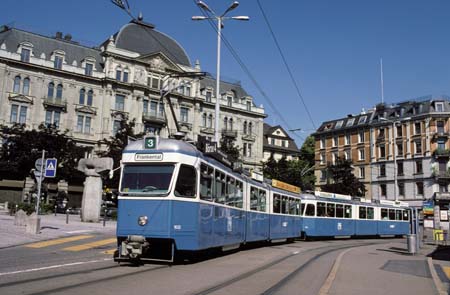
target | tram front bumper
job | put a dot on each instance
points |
(134, 246)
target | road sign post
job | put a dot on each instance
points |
(39, 180)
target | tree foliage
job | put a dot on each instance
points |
(296, 172)
(341, 180)
(21, 148)
(115, 146)
(228, 146)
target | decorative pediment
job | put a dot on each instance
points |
(86, 109)
(279, 132)
(20, 98)
(159, 62)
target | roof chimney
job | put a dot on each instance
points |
(68, 37)
(59, 35)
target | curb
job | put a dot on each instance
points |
(437, 282)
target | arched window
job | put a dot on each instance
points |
(210, 119)
(59, 90)
(26, 86)
(225, 123)
(90, 97)
(230, 123)
(250, 127)
(204, 120)
(245, 127)
(51, 90)
(16, 88)
(82, 95)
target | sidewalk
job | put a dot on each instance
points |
(390, 269)
(51, 227)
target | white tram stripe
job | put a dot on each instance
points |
(53, 266)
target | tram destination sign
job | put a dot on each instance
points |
(148, 157)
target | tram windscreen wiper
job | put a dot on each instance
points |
(149, 188)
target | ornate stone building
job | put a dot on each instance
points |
(90, 90)
(398, 151)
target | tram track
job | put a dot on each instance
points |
(287, 278)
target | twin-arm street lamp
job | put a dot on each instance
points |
(219, 19)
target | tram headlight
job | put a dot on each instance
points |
(142, 220)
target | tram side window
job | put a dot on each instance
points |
(398, 215)
(253, 198)
(321, 209)
(239, 194)
(276, 203)
(310, 210)
(206, 182)
(331, 210)
(220, 187)
(187, 182)
(292, 206)
(347, 211)
(302, 209)
(370, 213)
(405, 215)
(298, 211)
(339, 210)
(384, 213)
(262, 201)
(284, 205)
(231, 191)
(391, 214)
(362, 212)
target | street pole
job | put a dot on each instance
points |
(41, 176)
(217, 112)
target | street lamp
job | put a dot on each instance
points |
(394, 150)
(219, 20)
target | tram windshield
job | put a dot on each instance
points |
(146, 179)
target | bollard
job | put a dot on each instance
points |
(104, 218)
(55, 209)
(411, 242)
(67, 216)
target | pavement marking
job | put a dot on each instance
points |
(53, 266)
(332, 275)
(437, 282)
(58, 241)
(79, 231)
(446, 270)
(110, 251)
(90, 245)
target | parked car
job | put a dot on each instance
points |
(74, 211)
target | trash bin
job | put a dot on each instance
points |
(411, 241)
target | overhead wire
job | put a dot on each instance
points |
(246, 70)
(297, 88)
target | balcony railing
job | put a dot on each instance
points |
(250, 137)
(154, 117)
(441, 153)
(441, 175)
(229, 133)
(440, 134)
(208, 130)
(55, 102)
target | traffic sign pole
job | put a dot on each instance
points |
(40, 183)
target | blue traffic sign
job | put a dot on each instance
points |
(50, 167)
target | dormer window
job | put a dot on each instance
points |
(58, 62)
(439, 106)
(25, 55)
(229, 101)
(208, 96)
(249, 105)
(89, 69)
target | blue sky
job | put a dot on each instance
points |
(333, 47)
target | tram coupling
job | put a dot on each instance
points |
(133, 247)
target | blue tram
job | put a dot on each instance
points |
(334, 215)
(174, 197)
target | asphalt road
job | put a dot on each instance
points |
(84, 266)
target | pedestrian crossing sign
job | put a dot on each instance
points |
(50, 167)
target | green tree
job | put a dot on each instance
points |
(115, 146)
(341, 180)
(21, 148)
(228, 146)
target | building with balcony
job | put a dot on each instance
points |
(89, 91)
(398, 151)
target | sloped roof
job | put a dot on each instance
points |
(13, 37)
(141, 37)
(268, 130)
